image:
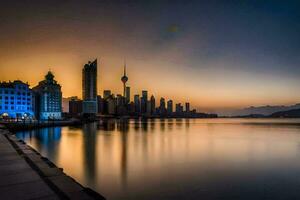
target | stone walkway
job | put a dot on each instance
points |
(25, 174)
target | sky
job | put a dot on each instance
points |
(214, 54)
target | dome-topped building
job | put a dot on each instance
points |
(48, 98)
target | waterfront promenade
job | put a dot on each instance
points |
(25, 174)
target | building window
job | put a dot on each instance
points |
(0, 107)
(12, 92)
(6, 98)
(6, 107)
(12, 108)
(12, 98)
(6, 92)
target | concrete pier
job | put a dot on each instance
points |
(25, 174)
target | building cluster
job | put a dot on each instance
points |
(44, 101)
(121, 104)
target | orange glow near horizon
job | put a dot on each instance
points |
(171, 83)
(184, 64)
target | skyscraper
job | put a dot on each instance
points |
(152, 100)
(162, 106)
(187, 107)
(48, 98)
(89, 87)
(144, 100)
(170, 107)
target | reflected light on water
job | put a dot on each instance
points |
(178, 158)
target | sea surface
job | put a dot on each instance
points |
(178, 158)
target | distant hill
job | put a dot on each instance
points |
(289, 113)
(262, 110)
(250, 116)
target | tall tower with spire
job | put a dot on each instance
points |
(124, 79)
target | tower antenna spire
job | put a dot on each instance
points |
(124, 67)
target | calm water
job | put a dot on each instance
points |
(179, 159)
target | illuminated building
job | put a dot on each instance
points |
(48, 98)
(16, 100)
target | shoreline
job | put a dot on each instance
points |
(21, 126)
(62, 185)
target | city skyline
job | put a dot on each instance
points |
(212, 55)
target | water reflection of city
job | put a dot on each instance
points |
(47, 141)
(146, 125)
